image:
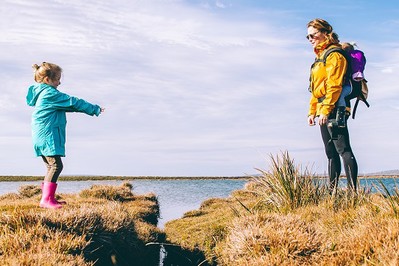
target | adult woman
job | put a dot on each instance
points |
(326, 84)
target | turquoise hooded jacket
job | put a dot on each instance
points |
(49, 117)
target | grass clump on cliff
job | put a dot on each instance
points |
(286, 217)
(103, 225)
(286, 187)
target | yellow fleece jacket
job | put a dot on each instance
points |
(326, 80)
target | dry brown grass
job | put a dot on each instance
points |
(93, 227)
(270, 240)
(314, 235)
(366, 234)
(285, 220)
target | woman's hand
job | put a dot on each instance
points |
(311, 120)
(323, 120)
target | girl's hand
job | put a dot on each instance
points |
(102, 110)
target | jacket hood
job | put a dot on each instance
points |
(33, 93)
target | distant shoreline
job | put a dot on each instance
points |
(127, 178)
(18, 178)
(378, 176)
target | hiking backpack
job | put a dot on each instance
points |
(359, 88)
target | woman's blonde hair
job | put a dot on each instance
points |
(324, 27)
(49, 70)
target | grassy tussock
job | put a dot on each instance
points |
(285, 186)
(286, 217)
(262, 240)
(122, 193)
(93, 227)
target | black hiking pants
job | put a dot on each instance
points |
(334, 150)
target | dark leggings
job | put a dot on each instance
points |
(334, 150)
(54, 167)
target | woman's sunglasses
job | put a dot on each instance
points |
(311, 36)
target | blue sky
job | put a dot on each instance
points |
(192, 88)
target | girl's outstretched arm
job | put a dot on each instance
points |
(68, 103)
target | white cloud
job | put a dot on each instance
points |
(387, 70)
(220, 4)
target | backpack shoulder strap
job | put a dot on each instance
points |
(325, 55)
(332, 50)
(324, 60)
(343, 53)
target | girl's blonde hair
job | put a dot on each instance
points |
(49, 70)
(324, 27)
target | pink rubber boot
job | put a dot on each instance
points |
(48, 201)
(58, 201)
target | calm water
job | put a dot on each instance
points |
(175, 196)
(179, 196)
(374, 184)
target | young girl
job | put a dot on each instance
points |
(49, 124)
